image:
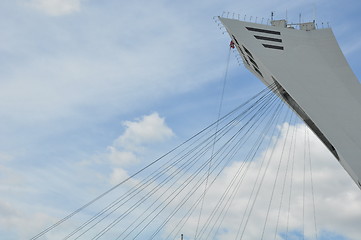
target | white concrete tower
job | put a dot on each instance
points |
(312, 76)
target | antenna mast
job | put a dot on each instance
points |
(314, 12)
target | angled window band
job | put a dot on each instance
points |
(268, 38)
(254, 63)
(263, 30)
(247, 51)
(273, 46)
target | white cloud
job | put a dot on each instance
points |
(118, 175)
(122, 158)
(127, 149)
(21, 223)
(148, 129)
(337, 197)
(56, 7)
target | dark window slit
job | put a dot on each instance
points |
(241, 51)
(258, 71)
(254, 63)
(235, 39)
(246, 61)
(268, 38)
(248, 52)
(263, 30)
(273, 46)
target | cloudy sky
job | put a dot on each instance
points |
(91, 90)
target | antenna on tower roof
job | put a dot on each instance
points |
(314, 12)
(272, 16)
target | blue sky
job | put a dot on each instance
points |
(79, 77)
